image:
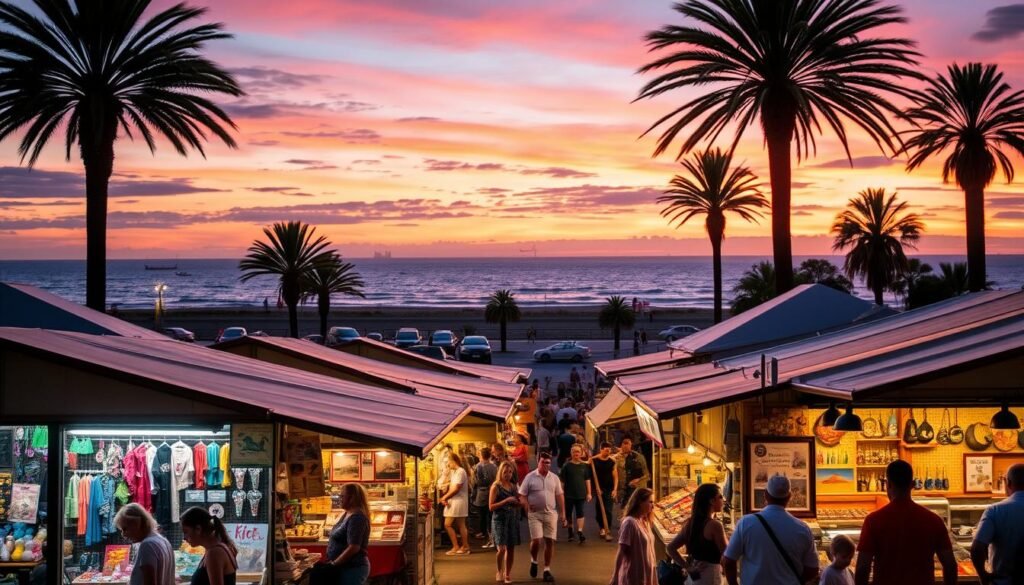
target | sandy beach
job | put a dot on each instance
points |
(550, 323)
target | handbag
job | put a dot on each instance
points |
(670, 573)
(778, 547)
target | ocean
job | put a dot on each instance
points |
(437, 282)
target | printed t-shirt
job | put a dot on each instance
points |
(903, 537)
(162, 488)
(181, 475)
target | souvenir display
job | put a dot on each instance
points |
(672, 511)
(238, 498)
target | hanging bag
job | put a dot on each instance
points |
(956, 433)
(925, 432)
(731, 440)
(910, 429)
(942, 437)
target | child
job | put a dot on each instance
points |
(839, 573)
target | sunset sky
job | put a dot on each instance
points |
(472, 128)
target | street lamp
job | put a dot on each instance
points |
(159, 289)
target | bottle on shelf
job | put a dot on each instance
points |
(860, 457)
(929, 483)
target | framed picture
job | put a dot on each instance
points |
(345, 466)
(252, 445)
(977, 474)
(792, 457)
(835, 480)
(387, 466)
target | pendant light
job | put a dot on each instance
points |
(830, 416)
(1004, 420)
(691, 449)
(848, 422)
(707, 459)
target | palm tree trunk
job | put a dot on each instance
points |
(324, 306)
(716, 267)
(293, 319)
(974, 204)
(99, 163)
(504, 334)
(779, 126)
(618, 335)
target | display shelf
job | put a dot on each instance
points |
(880, 440)
(931, 445)
(872, 466)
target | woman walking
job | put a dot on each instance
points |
(219, 565)
(635, 561)
(346, 549)
(575, 476)
(154, 562)
(456, 506)
(704, 537)
(521, 455)
(504, 504)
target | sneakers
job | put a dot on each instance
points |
(582, 538)
(533, 570)
(572, 536)
(548, 577)
(489, 544)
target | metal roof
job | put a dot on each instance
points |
(23, 305)
(363, 346)
(637, 383)
(488, 398)
(659, 360)
(671, 401)
(409, 423)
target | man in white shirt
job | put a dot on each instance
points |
(1001, 531)
(762, 556)
(539, 493)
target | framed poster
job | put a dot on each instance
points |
(252, 445)
(977, 474)
(251, 541)
(792, 457)
(345, 466)
(24, 503)
(387, 466)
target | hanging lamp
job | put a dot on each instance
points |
(829, 418)
(1004, 420)
(848, 422)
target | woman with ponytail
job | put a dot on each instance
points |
(703, 536)
(219, 565)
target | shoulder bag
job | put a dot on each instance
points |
(778, 547)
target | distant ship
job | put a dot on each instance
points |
(161, 266)
(182, 273)
(385, 255)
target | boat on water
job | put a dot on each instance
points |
(182, 273)
(161, 266)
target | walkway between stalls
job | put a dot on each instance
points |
(574, 564)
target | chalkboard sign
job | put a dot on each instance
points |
(6, 449)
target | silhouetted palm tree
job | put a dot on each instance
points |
(502, 308)
(821, 271)
(955, 277)
(616, 314)
(756, 286)
(333, 277)
(951, 281)
(906, 282)
(97, 70)
(972, 114)
(713, 188)
(290, 253)
(875, 229)
(796, 65)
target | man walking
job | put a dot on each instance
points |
(899, 541)
(539, 493)
(632, 470)
(1001, 533)
(775, 547)
(606, 481)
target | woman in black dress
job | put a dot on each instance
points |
(218, 566)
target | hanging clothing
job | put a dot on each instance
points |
(84, 495)
(71, 498)
(121, 493)
(102, 508)
(40, 438)
(181, 475)
(150, 457)
(214, 475)
(162, 485)
(199, 464)
(225, 453)
(137, 474)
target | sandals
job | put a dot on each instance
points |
(462, 552)
(452, 553)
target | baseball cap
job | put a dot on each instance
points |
(778, 486)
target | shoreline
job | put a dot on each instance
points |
(577, 322)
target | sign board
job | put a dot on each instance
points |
(649, 425)
(251, 540)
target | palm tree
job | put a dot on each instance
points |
(714, 189)
(797, 65)
(756, 286)
(333, 277)
(616, 313)
(955, 277)
(972, 114)
(875, 229)
(821, 271)
(99, 70)
(290, 253)
(502, 308)
(908, 281)
(951, 281)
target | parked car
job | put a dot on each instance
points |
(375, 335)
(231, 333)
(431, 351)
(677, 332)
(475, 348)
(340, 335)
(444, 339)
(315, 338)
(564, 350)
(179, 333)
(408, 337)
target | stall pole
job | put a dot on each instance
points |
(54, 553)
(269, 566)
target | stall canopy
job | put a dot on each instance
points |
(388, 353)
(487, 398)
(140, 371)
(23, 305)
(808, 309)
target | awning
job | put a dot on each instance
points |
(615, 405)
(405, 422)
(488, 398)
(638, 383)
(382, 351)
(658, 360)
(23, 305)
(672, 401)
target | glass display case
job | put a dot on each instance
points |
(672, 511)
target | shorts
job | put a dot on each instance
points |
(576, 506)
(543, 524)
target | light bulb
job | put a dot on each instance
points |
(707, 460)
(691, 449)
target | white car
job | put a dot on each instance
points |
(564, 350)
(231, 333)
(677, 332)
(408, 337)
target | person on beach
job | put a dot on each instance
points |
(542, 496)
(218, 566)
(484, 475)
(635, 561)
(633, 472)
(154, 561)
(576, 476)
(504, 504)
(606, 480)
(703, 536)
(456, 506)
